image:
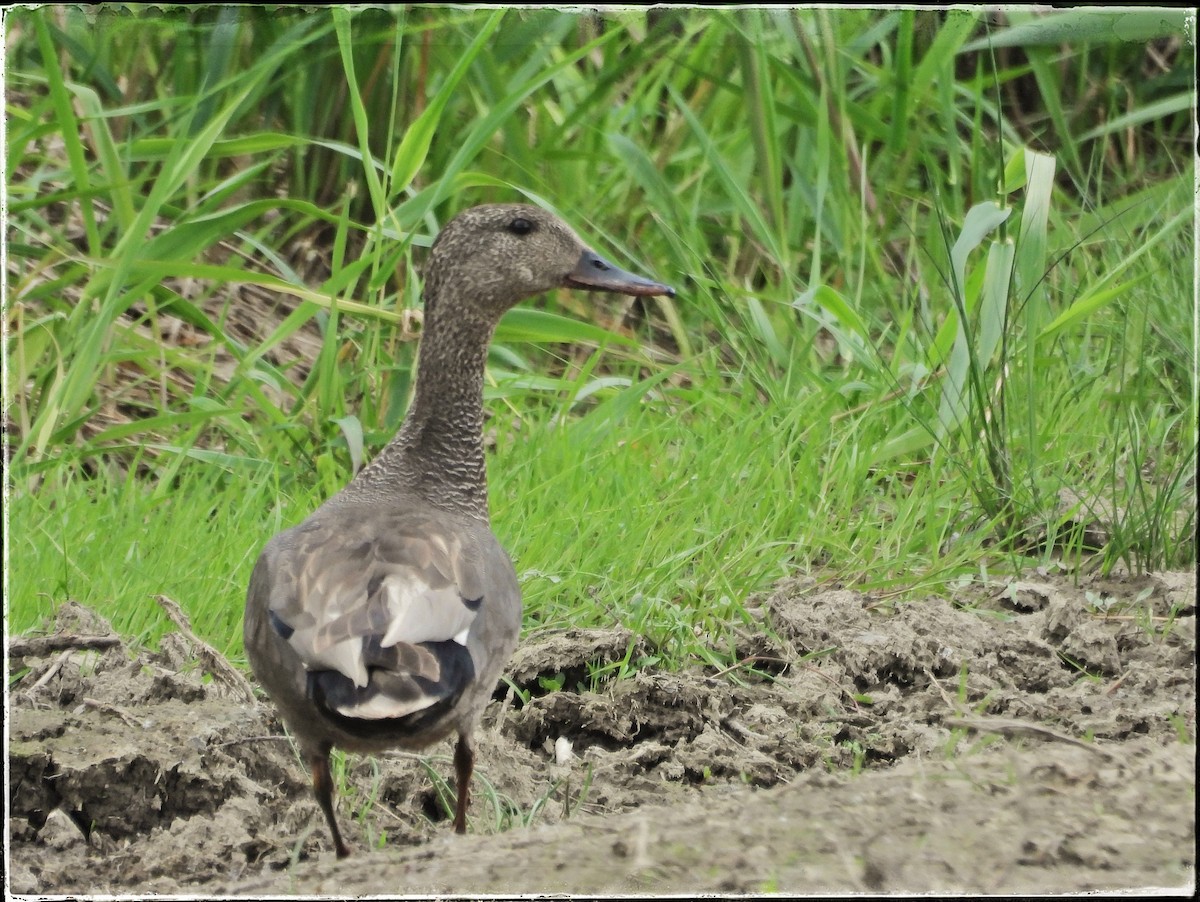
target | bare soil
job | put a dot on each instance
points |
(1036, 736)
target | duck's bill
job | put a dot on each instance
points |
(594, 273)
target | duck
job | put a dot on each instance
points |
(385, 618)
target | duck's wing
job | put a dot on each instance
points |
(378, 607)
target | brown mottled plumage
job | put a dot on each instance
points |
(385, 618)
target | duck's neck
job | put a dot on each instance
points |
(438, 452)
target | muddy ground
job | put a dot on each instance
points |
(1029, 736)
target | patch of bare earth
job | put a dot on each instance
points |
(1034, 737)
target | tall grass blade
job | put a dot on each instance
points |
(981, 220)
(69, 129)
(414, 147)
(1052, 28)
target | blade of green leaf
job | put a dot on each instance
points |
(1086, 26)
(414, 147)
(526, 324)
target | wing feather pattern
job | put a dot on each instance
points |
(378, 607)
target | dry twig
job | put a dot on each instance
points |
(51, 671)
(128, 718)
(211, 659)
(37, 646)
(1008, 727)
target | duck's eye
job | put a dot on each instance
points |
(521, 226)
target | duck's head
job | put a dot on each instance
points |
(499, 254)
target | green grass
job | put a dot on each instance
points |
(934, 296)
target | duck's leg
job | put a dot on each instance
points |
(323, 790)
(464, 764)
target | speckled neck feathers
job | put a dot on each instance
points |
(438, 454)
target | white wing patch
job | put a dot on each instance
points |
(418, 613)
(345, 656)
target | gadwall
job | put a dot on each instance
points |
(385, 618)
